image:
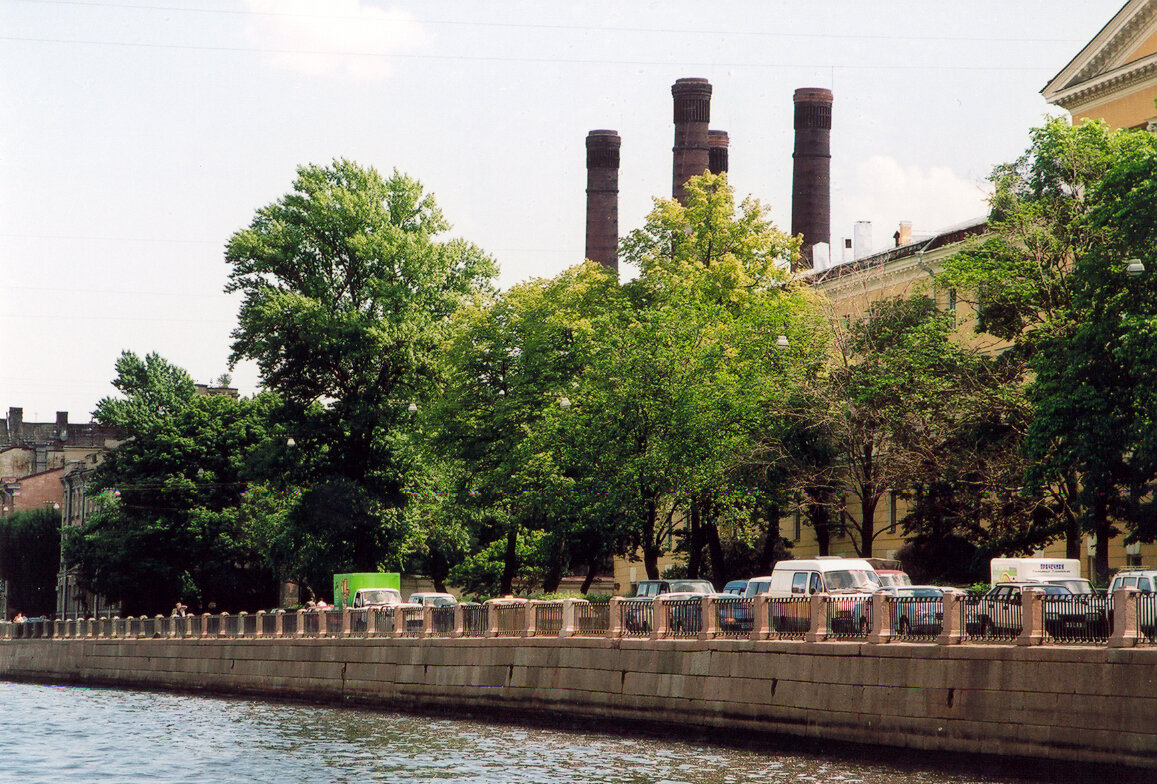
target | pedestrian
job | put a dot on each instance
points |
(19, 618)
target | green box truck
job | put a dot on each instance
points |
(346, 586)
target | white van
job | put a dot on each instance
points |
(1004, 570)
(817, 575)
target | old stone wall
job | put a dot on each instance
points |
(1083, 704)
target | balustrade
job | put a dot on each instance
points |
(1126, 619)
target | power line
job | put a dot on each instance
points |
(584, 28)
(507, 59)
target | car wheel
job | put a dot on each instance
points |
(905, 627)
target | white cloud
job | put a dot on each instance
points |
(321, 37)
(885, 192)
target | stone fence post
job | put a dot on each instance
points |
(459, 621)
(279, 623)
(346, 626)
(300, 630)
(570, 616)
(950, 623)
(761, 617)
(660, 626)
(1032, 617)
(615, 617)
(532, 618)
(492, 617)
(882, 631)
(708, 619)
(427, 620)
(1126, 631)
(818, 627)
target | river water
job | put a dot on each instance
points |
(75, 735)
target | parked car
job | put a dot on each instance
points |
(1065, 615)
(1145, 581)
(639, 608)
(735, 588)
(431, 599)
(893, 577)
(920, 609)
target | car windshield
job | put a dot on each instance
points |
(923, 592)
(852, 580)
(1074, 586)
(692, 586)
(381, 597)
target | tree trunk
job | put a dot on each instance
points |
(553, 577)
(868, 505)
(718, 568)
(592, 572)
(510, 562)
(694, 541)
(650, 546)
(1103, 533)
(767, 558)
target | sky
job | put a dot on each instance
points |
(137, 137)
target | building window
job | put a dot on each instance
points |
(892, 494)
(952, 307)
(796, 524)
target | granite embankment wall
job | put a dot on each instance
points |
(1088, 704)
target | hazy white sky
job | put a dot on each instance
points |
(137, 136)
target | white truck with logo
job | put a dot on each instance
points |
(1011, 570)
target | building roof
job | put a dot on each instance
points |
(947, 236)
(1121, 59)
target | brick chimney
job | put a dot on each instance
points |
(692, 114)
(904, 235)
(811, 210)
(717, 143)
(15, 425)
(603, 198)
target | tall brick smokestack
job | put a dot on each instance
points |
(717, 143)
(603, 198)
(692, 114)
(811, 198)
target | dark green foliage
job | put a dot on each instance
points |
(30, 560)
(173, 525)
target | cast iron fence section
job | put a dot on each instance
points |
(442, 620)
(849, 616)
(1147, 617)
(511, 619)
(917, 618)
(1076, 619)
(734, 616)
(789, 616)
(411, 618)
(592, 620)
(637, 617)
(684, 616)
(548, 619)
(988, 619)
(475, 620)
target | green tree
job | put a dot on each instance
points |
(174, 527)
(347, 297)
(511, 363)
(30, 559)
(1094, 373)
(686, 378)
(1042, 281)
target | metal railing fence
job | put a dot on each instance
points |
(1032, 618)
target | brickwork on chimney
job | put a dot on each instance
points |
(692, 99)
(718, 142)
(603, 198)
(811, 176)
